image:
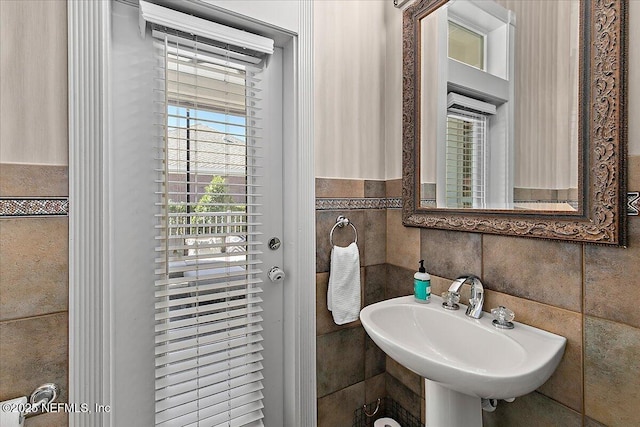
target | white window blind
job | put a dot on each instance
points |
(207, 290)
(465, 159)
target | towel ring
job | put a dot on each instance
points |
(364, 408)
(341, 221)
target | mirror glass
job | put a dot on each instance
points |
(498, 121)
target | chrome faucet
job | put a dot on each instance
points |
(476, 300)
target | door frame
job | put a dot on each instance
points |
(90, 287)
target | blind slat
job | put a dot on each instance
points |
(203, 360)
(209, 244)
(168, 347)
(185, 280)
(237, 309)
(195, 375)
(177, 268)
(192, 310)
(241, 407)
(248, 415)
(192, 401)
(238, 415)
(205, 298)
(215, 262)
(191, 353)
(221, 410)
(219, 377)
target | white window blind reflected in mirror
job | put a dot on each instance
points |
(465, 159)
(207, 298)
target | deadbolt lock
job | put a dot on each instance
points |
(274, 243)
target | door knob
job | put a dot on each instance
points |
(276, 274)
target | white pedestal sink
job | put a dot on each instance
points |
(462, 359)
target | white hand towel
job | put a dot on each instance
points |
(343, 295)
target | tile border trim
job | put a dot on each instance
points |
(633, 203)
(57, 206)
(323, 204)
(32, 206)
(328, 204)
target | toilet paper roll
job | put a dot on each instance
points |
(11, 412)
(386, 422)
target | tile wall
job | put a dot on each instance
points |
(350, 367)
(586, 293)
(34, 282)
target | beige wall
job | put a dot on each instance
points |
(546, 88)
(33, 83)
(349, 67)
(393, 92)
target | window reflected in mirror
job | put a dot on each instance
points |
(466, 45)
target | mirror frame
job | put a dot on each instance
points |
(601, 218)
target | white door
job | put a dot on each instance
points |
(133, 204)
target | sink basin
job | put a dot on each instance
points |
(461, 354)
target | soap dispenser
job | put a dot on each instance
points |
(422, 285)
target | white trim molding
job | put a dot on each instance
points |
(88, 45)
(304, 253)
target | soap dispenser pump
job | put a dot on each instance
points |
(422, 285)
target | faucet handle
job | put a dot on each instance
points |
(503, 317)
(451, 300)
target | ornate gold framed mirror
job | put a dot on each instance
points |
(514, 118)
